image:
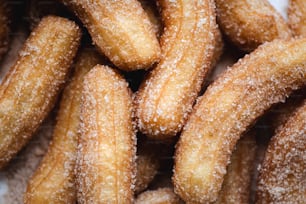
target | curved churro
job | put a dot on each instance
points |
(297, 17)
(237, 181)
(105, 166)
(226, 110)
(167, 95)
(30, 89)
(250, 23)
(55, 178)
(4, 28)
(282, 175)
(147, 165)
(159, 196)
(121, 30)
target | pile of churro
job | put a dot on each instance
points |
(139, 113)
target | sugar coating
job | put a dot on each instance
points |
(190, 45)
(228, 108)
(297, 17)
(29, 91)
(249, 24)
(54, 180)
(282, 175)
(106, 150)
(159, 196)
(121, 30)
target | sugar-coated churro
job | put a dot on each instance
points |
(282, 175)
(250, 23)
(30, 89)
(237, 181)
(147, 165)
(166, 96)
(121, 30)
(150, 8)
(54, 180)
(297, 17)
(159, 196)
(228, 108)
(4, 28)
(106, 157)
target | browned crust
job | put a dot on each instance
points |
(106, 157)
(250, 23)
(237, 181)
(297, 17)
(226, 110)
(121, 30)
(282, 175)
(190, 45)
(30, 89)
(4, 28)
(55, 178)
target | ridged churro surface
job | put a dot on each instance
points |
(226, 110)
(250, 23)
(297, 17)
(105, 166)
(189, 45)
(30, 89)
(4, 28)
(121, 30)
(54, 180)
(236, 186)
(282, 175)
(159, 196)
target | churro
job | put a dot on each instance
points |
(150, 8)
(121, 30)
(237, 181)
(147, 165)
(30, 89)
(159, 196)
(282, 175)
(228, 108)
(55, 178)
(105, 163)
(297, 17)
(166, 96)
(250, 23)
(4, 28)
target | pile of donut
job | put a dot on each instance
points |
(108, 141)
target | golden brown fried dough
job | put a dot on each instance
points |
(250, 23)
(54, 180)
(159, 196)
(121, 30)
(147, 165)
(297, 17)
(228, 108)
(189, 46)
(282, 175)
(4, 27)
(237, 181)
(30, 89)
(106, 157)
(150, 8)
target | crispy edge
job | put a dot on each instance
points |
(4, 28)
(228, 108)
(237, 181)
(158, 196)
(121, 30)
(55, 177)
(30, 89)
(107, 153)
(166, 96)
(282, 174)
(297, 17)
(248, 24)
